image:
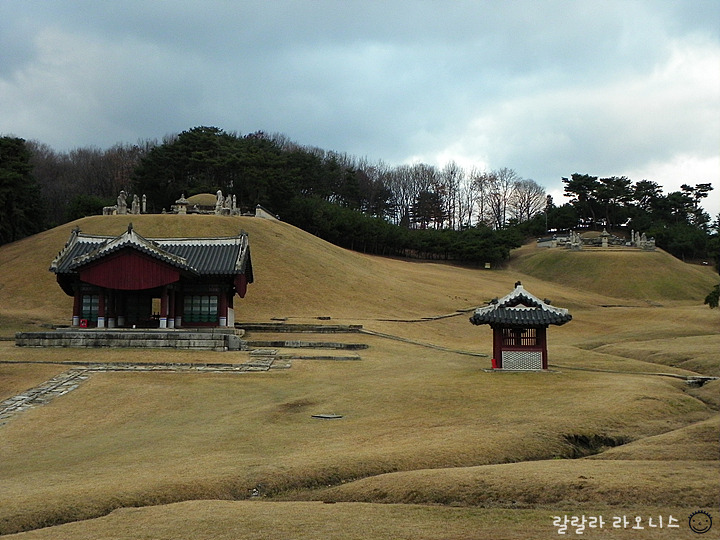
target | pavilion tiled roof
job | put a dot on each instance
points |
(520, 308)
(200, 256)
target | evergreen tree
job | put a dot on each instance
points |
(21, 212)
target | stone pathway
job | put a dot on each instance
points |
(44, 393)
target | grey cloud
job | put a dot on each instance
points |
(546, 88)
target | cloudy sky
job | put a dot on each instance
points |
(545, 87)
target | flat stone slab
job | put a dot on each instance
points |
(263, 352)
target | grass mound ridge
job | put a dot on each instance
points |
(529, 484)
(631, 274)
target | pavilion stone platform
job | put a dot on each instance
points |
(206, 339)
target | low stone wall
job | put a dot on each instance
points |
(215, 339)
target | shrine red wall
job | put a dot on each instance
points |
(241, 285)
(129, 270)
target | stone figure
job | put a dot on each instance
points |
(122, 203)
(144, 204)
(576, 242)
(219, 202)
(135, 205)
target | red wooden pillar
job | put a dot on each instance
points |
(222, 308)
(164, 307)
(120, 308)
(542, 342)
(77, 307)
(111, 309)
(497, 345)
(171, 309)
(179, 307)
(101, 309)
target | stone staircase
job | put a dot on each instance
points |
(269, 348)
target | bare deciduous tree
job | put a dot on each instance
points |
(500, 193)
(528, 200)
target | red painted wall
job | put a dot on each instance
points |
(129, 270)
(241, 285)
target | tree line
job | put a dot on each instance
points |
(677, 220)
(271, 170)
(414, 210)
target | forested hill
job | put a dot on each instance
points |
(416, 210)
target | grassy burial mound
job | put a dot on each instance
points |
(420, 425)
(629, 274)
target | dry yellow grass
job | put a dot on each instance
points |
(135, 439)
(694, 353)
(16, 378)
(128, 439)
(578, 484)
(232, 520)
(697, 441)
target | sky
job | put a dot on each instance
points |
(547, 88)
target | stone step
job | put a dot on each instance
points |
(294, 344)
(282, 327)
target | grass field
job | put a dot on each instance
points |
(450, 450)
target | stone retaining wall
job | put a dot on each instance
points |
(215, 339)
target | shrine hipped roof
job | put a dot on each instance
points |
(199, 256)
(521, 309)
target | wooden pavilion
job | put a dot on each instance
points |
(129, 281)
(519, 322)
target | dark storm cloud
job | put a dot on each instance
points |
(547, 88)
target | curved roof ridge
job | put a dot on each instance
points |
(130, 238)
(520, 307)
(200, 255)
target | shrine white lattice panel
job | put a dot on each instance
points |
(522, 360)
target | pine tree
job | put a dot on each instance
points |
(21, 211)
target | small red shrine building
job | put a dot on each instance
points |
(519, 322)
(129, 281)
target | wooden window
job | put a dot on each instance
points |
(200, 309)
(520, 337)
(90, 303)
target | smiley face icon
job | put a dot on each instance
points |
(700, 522)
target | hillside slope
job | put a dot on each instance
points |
(296, 273)
(300, 275)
